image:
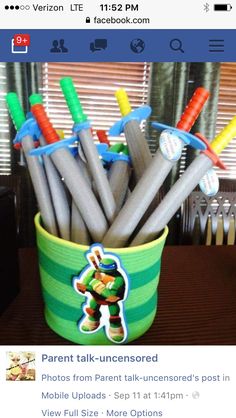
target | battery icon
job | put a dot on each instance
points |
(222, 7)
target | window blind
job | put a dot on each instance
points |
(226, 111)
(5, 152)
(96, 84)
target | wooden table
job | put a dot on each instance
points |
(197, 301)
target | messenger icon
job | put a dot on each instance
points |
(98, 45)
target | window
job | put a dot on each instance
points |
(5, 150)
(226, 111)
(96, 84)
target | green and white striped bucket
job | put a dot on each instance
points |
(60, 261)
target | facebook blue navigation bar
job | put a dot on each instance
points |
(117, 45)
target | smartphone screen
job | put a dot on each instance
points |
(117, 209)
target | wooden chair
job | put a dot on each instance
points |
(210, 220)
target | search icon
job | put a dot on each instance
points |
(176, 45)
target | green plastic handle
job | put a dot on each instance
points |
(116, 148)
(125, 150)
(72, 100)
(15, 109)
(35, 99)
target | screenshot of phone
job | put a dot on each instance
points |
(117, 209)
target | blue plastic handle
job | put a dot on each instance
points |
(186, 137)
(138, 114)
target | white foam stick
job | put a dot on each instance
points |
(59, 197)
(68, 168)
(155, 174)
(99, 176)
(118, 177)
(40, 185)
(84, 169)
(184, 186)
(137, 204)
(130, 124)
(138, 148)
(119, 172)
(79, 231)
(36, 170)
(83, 131)
(173, 200)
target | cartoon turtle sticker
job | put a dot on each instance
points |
(105, 284)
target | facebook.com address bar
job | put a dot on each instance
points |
(120, 20)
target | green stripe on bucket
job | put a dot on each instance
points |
(74, 314)
(64, 274)
(71, 257)
(70, 297)
(64, 293)
(61, 309)
(64, 308)
(69, 330)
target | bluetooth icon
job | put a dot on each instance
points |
(206, 7)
